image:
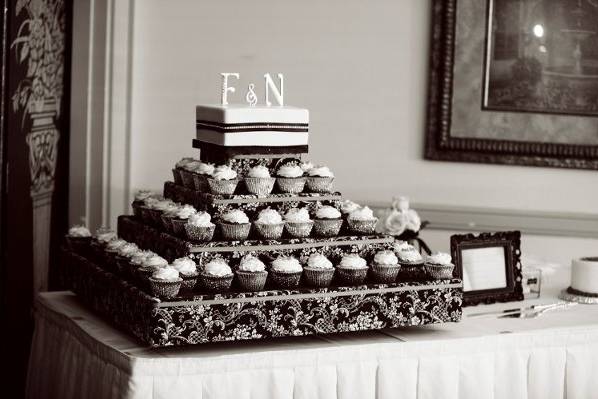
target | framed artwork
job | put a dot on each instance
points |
(489, 265)
(514, 82)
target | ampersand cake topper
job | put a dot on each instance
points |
(251, 97)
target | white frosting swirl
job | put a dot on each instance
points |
(128, 250)
(349, 206)
(387, 258)
(259, 171)
(306, 166)
(250, 263)
(297, 215)
(200, 219)
(439, 258)
(290, 170)
(353, 261)
(183, 162)
(185, 212)
(224, 172)
(185, 266)
(140, 256)
(115, 244)
(327, 212)
(410, 256)
(79, 231)
(218, 267)
(286, 264)
(364, 213)
(191, 165)
(142, 194)
(320, 171)
(235, 216)
(166, 274)
(319, 261)
(171, 211)
(269, 216)
(164, 205)
(152, 201)
(154, 262)
(205, 169)
(403, 246)
(104, 235)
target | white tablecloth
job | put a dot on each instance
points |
(75, 354)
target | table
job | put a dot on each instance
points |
(76, 354)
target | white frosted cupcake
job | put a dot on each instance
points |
(136, 261)
(111, 252)
(100, 238)
(298, 223)
(289, 179)
(199, 227)
(223, 180)
(286, 272)
(412, 262)
(149, 266)
(362, 221)
(79, 239)
(165, 282)
(348, 206)
(187, 271)
(439, 265)
(251, 274)
(386, 267)
(269, 224)
(352, 269)
(158, 210)
(234, 225)
(168, 214)
(201, 174)
(327, 221)
(216, 276)
(319, 271)
(258, 181)
(138, 201)
(123, 257)
(182, 217)
(177, 171)
(187, 171)
(319, 179)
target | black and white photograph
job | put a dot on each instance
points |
(277, 199)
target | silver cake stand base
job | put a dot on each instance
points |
(576, 296)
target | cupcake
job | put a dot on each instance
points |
(177, 171)
(199, 227)
(286, 272)
(78, 239)
(411, 261)
(187, 172)
(138, 201)
(251, 274)
(269, 224)
(319, 271)
(348, 206)
(123, 257)
(289, 179)
(385, 267)
(223, 181)
(319, 179)
(234, 225)
(187, 271)
(180, 220)
(201, 173)
(100, 239)
(216, 276)
(362, 221)
(147, 209)
(158, 209)
(148, 267)
(167, 216)
(136, 261)
(165, 282)
(352, 269)
(439, 265)
(258, 181)
(327, 222)
(297, 223)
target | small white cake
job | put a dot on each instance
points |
(584, 275)
(242, 125)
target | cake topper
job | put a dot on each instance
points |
(251, 97)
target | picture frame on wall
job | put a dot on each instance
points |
(514, 82)
(489, 265)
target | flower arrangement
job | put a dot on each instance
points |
(405, 224)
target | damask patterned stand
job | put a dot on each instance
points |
(197, 318)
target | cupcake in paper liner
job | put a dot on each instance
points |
(297, 223)
(146, 270)
(138, 201)
(289, 179)
(136, 261)
(386, 267)
(319, 271)
(216, 276)
(362, 221)
(181, 218)
(223, 181)
(319, 179)
(327, 221)
(286, 272)
(269, 224)
(199, 227)
(234, 225)
(177, 171)
(201, 173)
(78, 239)
(111, 252)
(168, 214)
(123, 257)
(352, 270)
(258, 181)
(187, 271)
(439, 265)
(158, 209)
(187, 172)
(100, 239)
(411, 261)
(251, 274)
(165, 282)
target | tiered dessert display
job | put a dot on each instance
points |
(250, 241)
